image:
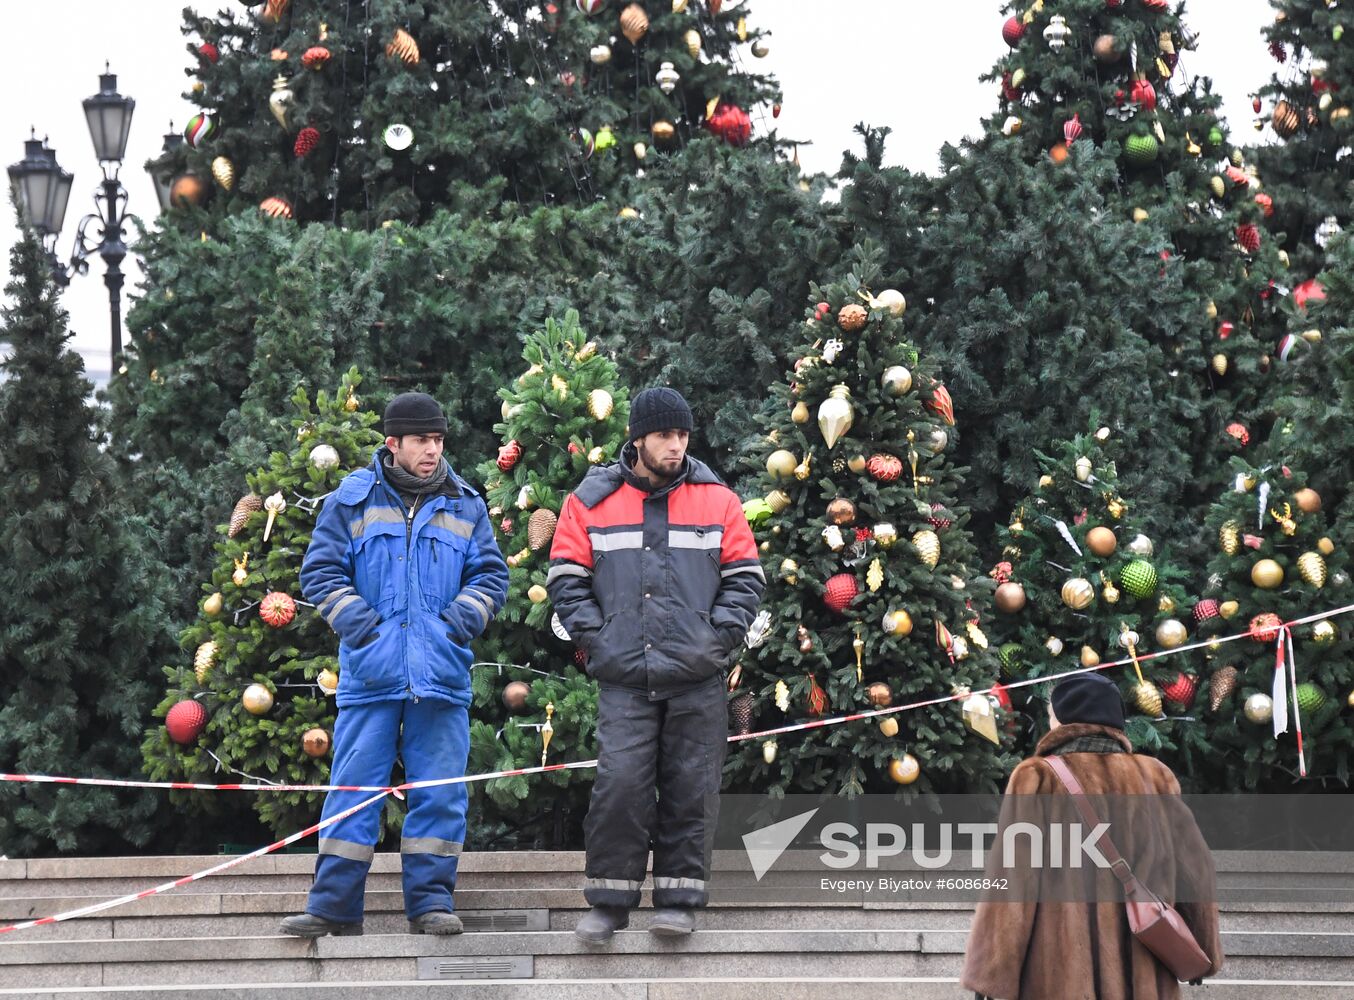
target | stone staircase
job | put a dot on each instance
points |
(217, 938)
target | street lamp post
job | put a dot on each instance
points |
(43, 190)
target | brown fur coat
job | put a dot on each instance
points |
(1084, 950)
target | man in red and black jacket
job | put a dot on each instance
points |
(654, 573)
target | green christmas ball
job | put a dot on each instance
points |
(1310, 698)
(1009, 655)
(1139, 578)
(1141, 149)
(1215, 136)
(758, 512)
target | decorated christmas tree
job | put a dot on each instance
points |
(1305, 106)
(1278, 560)
(873, 597)
(84, 597)
(1079, 583)
(532, 700)
(250, 695)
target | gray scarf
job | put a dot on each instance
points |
(409, 486)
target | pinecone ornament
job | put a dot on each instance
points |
(740, 714)
(1220, 687)
(541, 528)
(927, 544)
(1148, 698)
(1313, 568)
(203, 660)
(1229, 536)
(306, 141)
(245, 506)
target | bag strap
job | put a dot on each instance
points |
(1118, 865)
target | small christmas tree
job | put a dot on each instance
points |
(84, 594)
(251, 693)
(1079, 578)
(1278, 560)
(565, 413)
(871, 599)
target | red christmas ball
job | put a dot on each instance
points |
(1181, 690)
(1003, 697)
(277, 609)
(1013, 31)
(574, 448)
(1266, 204)
(1239, 432)
(1309, 291)
(885, 468)
(731, 123)
(1265, 627)
(315, 57)
(508, 455)
(1248, 235)
(185, 722)
(209, 52)
(306, 141)
(1206, 609)
(1255, 104)
(840, 591)
(1156, 4)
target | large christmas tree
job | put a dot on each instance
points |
(83, 611)
(874, 595)
(533, 701)
(1278, 559)
(250, 692)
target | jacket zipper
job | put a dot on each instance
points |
(409, 568)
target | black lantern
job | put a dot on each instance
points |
(41, 187)
(109, 115)
(164, 181)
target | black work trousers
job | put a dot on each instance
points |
(658, 775)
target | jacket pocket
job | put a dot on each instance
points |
(376, 565)
(439, 560)
(376, 664)
(692, 647)
(448, 662)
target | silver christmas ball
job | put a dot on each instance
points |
(1141, 546)
(324, 456)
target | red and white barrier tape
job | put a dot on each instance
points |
(573, 765)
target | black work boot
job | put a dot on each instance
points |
(599, 923)
(673, 921)
(436, 922)
(307, 925)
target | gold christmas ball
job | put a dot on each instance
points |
(351, 403)
(1141, 546)
(212, 606)
(1089, 657)
(880, 694)
(1324, 632)
(898, 623)
(327, 681)
(1326, 547)
(1171, 633)
(1259, 708)
(257, 699)
(888, 725)
(1010, 598)
(1077, 593)
(515, 696)
(892, 300)
(1166, 604)
(800, 414)
(896, 380)
(905, 769)
(1045, 482)
(1054, 645)
(600, 404)
(1101, 541)
(1308, 500)
(1106, 49)
(856, 463)
(315, 742)
(1267, 574)
(852, 317)
(187, 190)
(841, 511)
(780, 464)
(537, 594)
(664, 132)
(1228, 609)
(597, 455)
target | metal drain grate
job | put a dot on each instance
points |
(477, 967)
(505, 920)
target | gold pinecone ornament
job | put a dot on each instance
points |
(244, 507)
(203, 660)
(541, 528)
(927, 544)
(1147, 696)
(1313, 568)
(1220, 687)
(1229, 535)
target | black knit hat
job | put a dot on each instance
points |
(413, 413)
(1092, 698)
(660, 409)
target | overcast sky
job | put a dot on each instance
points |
(911, 65)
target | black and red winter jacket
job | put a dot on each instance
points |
(658, 586)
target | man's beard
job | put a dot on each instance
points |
(657, 468)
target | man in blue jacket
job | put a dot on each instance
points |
(404, 566)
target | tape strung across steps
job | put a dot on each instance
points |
(398, 790)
